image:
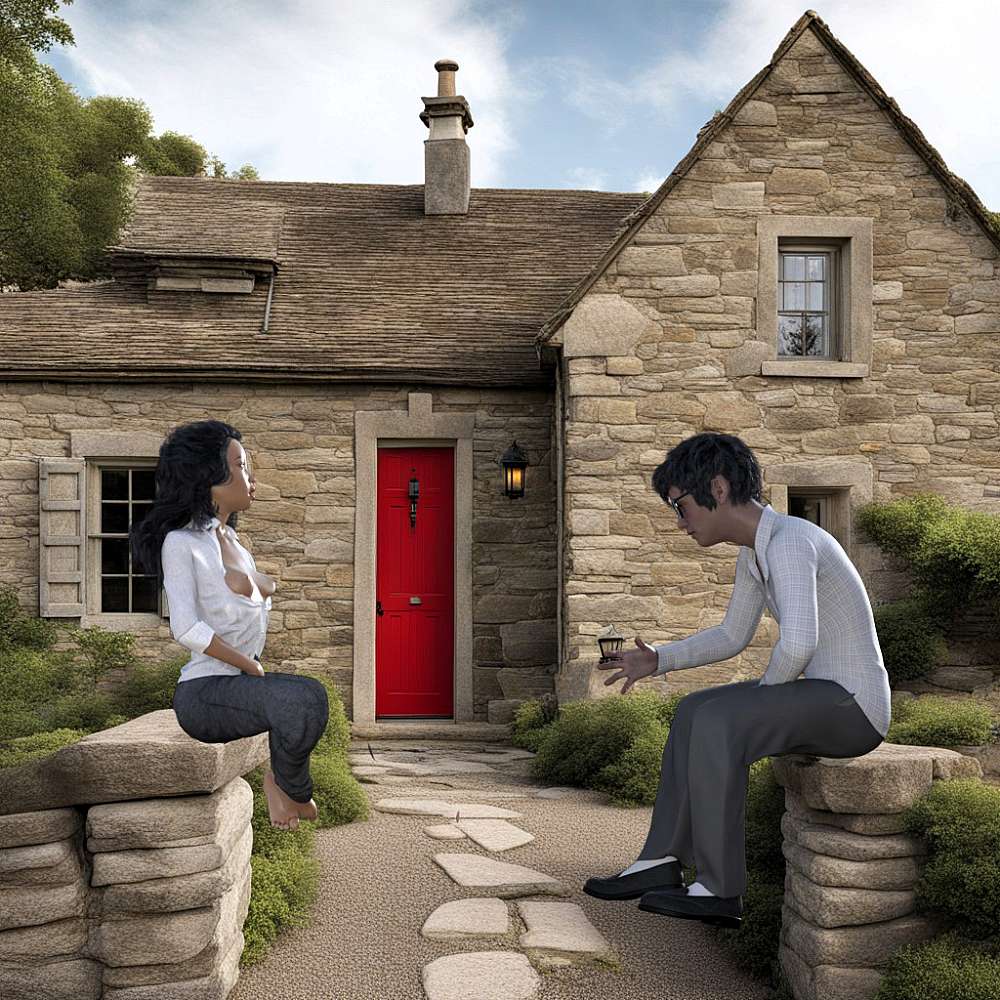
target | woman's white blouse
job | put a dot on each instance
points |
(202, 604)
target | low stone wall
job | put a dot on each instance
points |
(851, 872)
(136, 886)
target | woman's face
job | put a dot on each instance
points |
(237, 492)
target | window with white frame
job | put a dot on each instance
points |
(808, 308)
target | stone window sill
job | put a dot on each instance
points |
(120, 621)
(815, 369)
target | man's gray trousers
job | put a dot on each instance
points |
(700, 811)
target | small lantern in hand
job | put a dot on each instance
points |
(610, 641)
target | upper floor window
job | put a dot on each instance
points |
(807, 301)
(125, 497)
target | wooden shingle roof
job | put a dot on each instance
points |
(368, 287)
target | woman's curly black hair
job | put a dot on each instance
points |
(693, 464)
(193, 458)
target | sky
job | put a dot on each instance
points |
(563, 93)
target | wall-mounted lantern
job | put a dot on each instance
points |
(414, 497)
(514, 462)
(610, 641)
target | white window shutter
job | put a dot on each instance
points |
(62, 548)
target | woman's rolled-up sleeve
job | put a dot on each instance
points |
(179, 583)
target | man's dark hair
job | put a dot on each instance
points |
(693, 464)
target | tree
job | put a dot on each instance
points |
(68, 165)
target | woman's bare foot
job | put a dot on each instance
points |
(283, 810)
(306, 810)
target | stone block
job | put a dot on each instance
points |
(147, 757)
(63, 979)
(756, 113)
(691, 285)
(501, 711)
(28, 906)
(465, 918)
(44, 941)
(529, 642)
(603, 325)
(739, 194)
(41, 827)
(828, 906)
(887, 780)
(182, 892)
(522, 683)
(852, 846)
(747, 358)
(115, 867)
(175, 822)
(889, 874)
(795, 180)
(867, 947)
(41, 864)
(648, 262)
(154, 938)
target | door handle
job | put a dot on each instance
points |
(378, 608)
(416, 600)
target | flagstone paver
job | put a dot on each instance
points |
(438, 807)
(553, 793)
(561, 931)
(445, 831)
(495, 834)
(508, 880)
(481, 975)
(464, 918)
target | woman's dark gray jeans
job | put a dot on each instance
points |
(292, 710)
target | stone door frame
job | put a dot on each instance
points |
(413, 427)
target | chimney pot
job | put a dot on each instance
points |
(446, 77)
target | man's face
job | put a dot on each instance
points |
(697, 521)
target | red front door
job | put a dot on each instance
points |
(415, 584)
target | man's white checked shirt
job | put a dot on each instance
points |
(819, 600)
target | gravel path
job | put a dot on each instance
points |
(379, 882)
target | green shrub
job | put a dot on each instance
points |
(941, 722)
(30, 681)
(25, 748)
(634, 778)
(910, 638)
(336, 738)
(754, 943)
(339, 797)
(960, 822)
(18, 629)
(589, 736)
(943, 969)
(530, 726)
(283, 888)
(104, 650)
(148, 687)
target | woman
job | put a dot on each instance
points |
(219, 603)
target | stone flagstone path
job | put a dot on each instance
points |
(486, 901)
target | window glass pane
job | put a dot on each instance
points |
(817, 269)
(114, 555)
(114, 517)
(794, 266)
(815, 335)
(794, 295)
(814, 299)
(789, 334)
(808, 508)
(114, 593)
(139, 511)
(114, 484)
(143, 484)
(144, 593)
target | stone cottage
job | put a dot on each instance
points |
(810, 276)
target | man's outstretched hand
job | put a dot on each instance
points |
(633, 665)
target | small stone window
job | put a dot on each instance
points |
(814, 295)
(811, 506)
(125, 496)
(808, 310)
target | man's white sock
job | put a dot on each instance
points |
(697, 889)
(643, 865)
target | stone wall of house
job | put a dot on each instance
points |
(301, 526)
(666, 345)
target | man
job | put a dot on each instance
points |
(839, 708)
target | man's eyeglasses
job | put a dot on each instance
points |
(675, 503)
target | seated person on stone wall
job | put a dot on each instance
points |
(219, 604)
(839, 705)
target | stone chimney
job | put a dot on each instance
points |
(446, 155)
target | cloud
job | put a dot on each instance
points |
(936, 59)
(586, 179)
(308, 90)
(649, 181)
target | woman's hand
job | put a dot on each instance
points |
(256, 670)
(633, 665)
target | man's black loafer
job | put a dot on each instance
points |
(663, 876)
(724, 911)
